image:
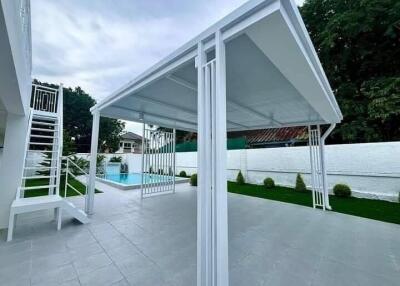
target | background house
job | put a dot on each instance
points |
(251, 139)
(130, 143)
(273, 137)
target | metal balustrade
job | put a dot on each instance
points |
(158, 162)
(317, 179)
(71, 170)
(44, 98)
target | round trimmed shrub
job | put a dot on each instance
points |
(300, 185)
(240, 178)
(193, 180)
(342, 190)
(269, 183)
(182, 174)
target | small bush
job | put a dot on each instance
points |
(269, 183)
(240, 178)
(300, 185)
(193, 180)
(182, 174)
(342, 190)
(116, 159)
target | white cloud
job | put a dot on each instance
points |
(100, 45)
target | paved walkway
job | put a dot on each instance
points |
(153, 242)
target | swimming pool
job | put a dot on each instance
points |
(134, 180)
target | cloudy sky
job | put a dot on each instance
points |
(100, 45)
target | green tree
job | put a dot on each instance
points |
(78, 123)
(358, 44)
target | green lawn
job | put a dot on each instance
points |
(373, 209)
(43, 192)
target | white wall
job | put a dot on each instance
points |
(134, 161)
(371, 169)
(11, 163)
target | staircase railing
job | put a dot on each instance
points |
(46, 98)
(60, 135)
(69, 173)
(20, 193)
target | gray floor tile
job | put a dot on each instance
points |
(54, 276)
(153, 242)
(102, 276)
(91, 263)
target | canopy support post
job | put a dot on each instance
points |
(143, 151)
(212, 213)
(318, 193)
(93, 162)
(323, 165)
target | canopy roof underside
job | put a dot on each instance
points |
(273, 76)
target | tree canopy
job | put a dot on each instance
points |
(78, 123)
(358, 43)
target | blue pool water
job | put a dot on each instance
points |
(135, 178)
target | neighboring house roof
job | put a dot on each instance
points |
(131, 136)
(275, 135)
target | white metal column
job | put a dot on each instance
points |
(212, 219)
(93, 162)
(317, 178)
(323, 165)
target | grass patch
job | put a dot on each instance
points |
(373, 209)
(44, 192)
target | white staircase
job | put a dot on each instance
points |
(42, 164)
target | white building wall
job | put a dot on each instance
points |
(11, 163)
(370, 169)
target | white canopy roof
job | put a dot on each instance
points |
(273, 76)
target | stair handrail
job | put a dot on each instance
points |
(67, 172)
(22, 181)
(60, 135)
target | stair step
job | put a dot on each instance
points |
(39, 167)
(42, 136)
(75, 212)
(44, 123)
(41, 151)
(38, 177)
(41, 144)
(38, 187)
(49, 116)
(43, 129)
(41, 160)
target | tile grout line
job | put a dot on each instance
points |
(106, 253)
(133, 244)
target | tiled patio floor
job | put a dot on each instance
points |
(153, 242)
